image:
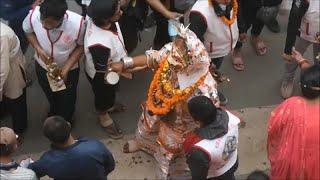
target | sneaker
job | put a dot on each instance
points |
(287, 88)
(273, 26)
(223, 100)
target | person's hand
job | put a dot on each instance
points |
(124, 3)
(64, 72)
(116, 66)
(243, 37)
(43, 55)
(296, 55)
(173, 15)
(25, 162)
(287, 57)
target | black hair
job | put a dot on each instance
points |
(55, 9)
(201, 108)
(258, 175)
(56, 129)
(310, 82)
(101, 10)
(6, 149)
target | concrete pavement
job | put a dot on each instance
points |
(252, 150)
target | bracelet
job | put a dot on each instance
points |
(127, 62)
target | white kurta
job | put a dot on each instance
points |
(12, 64)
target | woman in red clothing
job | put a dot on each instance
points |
(293, 130)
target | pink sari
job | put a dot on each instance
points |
(293, 140)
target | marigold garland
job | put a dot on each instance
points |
(234, 14)
(162, 96)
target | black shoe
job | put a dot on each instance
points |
(223, 100)
(273, 26)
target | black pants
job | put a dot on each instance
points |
(62, 103)
(249, 11)
(18, 111)
(161, 37)
(129, 29)
(217, 62)
(229, 175)
(83, 8)
(104, 94)
(16, 25)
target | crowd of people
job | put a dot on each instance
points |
(183, 116)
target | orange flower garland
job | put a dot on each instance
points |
(162, 96)
(234, 14)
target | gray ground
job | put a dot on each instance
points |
(257, 86)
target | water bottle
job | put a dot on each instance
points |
(172, 29)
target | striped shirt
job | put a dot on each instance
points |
(18, 174)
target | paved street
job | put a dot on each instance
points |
(258, 86)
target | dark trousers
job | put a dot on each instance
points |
(62, 103)
(161, 37)
(83, 8)
(217, 62)
(229, 175)
(18, 111)
(129, 29)
(104, 94)
(16, 25)
(249, 11)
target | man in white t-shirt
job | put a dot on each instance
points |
(212, 149)
(57, 35)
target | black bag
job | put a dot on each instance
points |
(266, 13)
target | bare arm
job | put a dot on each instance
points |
(139, 62)
(35, 44)
(303, 63)
(159, 7)
(31, 37)
(73, 59)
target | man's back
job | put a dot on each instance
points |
(86, 159)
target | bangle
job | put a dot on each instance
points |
(127, 62)
(302, 62)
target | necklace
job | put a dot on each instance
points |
(162, 96)
(234, 14)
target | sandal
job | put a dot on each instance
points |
(117, 108)
(113, 132)
(259, 45)
(237, 61)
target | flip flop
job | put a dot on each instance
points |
(117, 108)
(259, 46)
(237, 61)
